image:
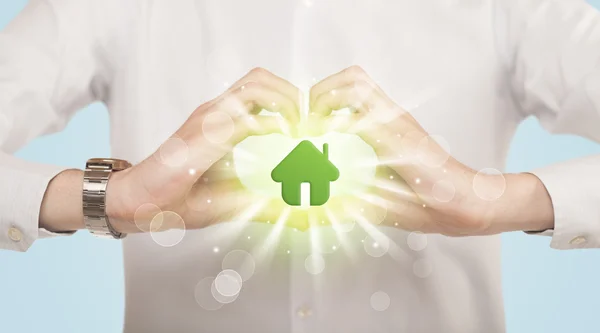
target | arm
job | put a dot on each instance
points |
(552, 51)
(49, 68)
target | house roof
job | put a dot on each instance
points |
(305, 163)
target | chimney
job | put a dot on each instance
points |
(326, 150)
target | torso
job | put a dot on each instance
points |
(436, 58)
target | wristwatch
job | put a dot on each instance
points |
(95, 180)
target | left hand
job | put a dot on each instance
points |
(423, 188)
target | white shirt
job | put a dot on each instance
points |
(468, 70)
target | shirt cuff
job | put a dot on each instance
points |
(573, 187)
(23, 187)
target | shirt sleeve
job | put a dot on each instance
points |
(50, 66)
(552, 50)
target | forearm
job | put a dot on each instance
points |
(61, 209)
(524, 206)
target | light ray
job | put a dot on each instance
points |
(255, 126)
(337, 122)
(264, 252)
(315, 251)
(239, 222)
(245, 156)
(373, 231)
(315, 237)
(340, 235)
(402, 192)
(375, 200)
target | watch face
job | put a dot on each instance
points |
(109, 163)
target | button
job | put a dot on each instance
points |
(578, 240)
(304, 312)
(15, 234)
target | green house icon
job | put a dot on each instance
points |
(306, 164)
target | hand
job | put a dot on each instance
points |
(420, 185)
(191, 178)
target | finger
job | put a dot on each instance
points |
(400, 210)
(265, 77)
(201, 146)
(255, 95)
(358, 95)
(389, 184)
(209, 153)
(345, 77)
(272, 81)
(317, 125)
(253, 125)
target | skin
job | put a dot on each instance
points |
(411, 160)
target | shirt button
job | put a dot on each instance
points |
(578, 240)
(15, 234)
(304, 312)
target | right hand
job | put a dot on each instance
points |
(191, 176)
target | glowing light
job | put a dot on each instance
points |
(418, 180)
(314, 264)
(228, 283)
(380, 301)
(344, 151)
(417, 241)
(203, 295)
(171, 237)
(220, 297)
(192, 172)
(241, 262)
(148, 215)
(376, 244)
(216, 249)
(265, 251)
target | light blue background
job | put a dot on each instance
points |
(75, 284)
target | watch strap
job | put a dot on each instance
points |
(95, 181)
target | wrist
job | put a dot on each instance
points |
(61, 206)
(524, 206)
(119, 217)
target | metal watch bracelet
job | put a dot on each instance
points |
(95, 181)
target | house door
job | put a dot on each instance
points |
(305, 195)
